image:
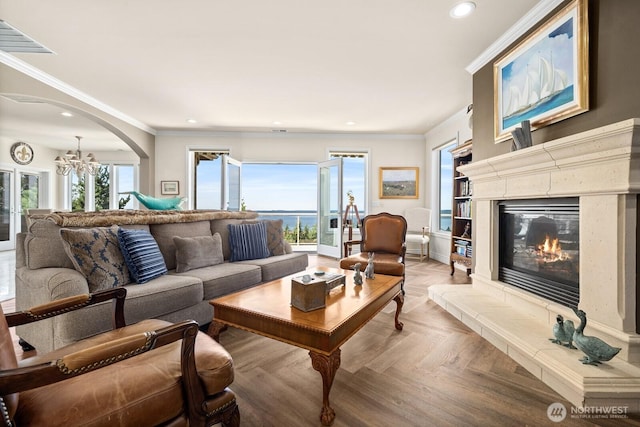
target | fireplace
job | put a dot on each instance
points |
(593, 179)
(539, 247)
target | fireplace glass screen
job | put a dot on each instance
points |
(539, 247)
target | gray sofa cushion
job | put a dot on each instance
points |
(226, 278)
(164, 234)
(196, 252)
(43, 246)
(281, 265)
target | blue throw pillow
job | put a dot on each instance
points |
(248, 241)
(141, 254)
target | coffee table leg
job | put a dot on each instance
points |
(327, 366)
(215, 328)
(399, 299)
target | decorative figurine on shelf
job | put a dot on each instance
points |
(563, 332)
(596, 351)
(153, 203)
(466, 234)
(357, 278)
(368, 272)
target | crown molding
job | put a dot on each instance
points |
(49, 80)
(524, 24)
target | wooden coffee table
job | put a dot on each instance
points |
(266, 310)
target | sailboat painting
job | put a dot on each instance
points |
(544, 79)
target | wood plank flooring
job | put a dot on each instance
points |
(435, 372)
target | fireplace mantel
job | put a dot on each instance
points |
(602, 168)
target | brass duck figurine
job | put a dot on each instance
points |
(563, 332)
(596, 351)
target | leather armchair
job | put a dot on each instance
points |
(384, 235)
(148, 373)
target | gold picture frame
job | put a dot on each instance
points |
(399, 182)
(545, 78)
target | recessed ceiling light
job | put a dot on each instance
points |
(350, 123)
(192, 121)
(277, 123)
(462, 9)
(66, 114)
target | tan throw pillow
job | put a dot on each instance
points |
(196, 252)
(95, 252)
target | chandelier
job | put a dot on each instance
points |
(73, 161)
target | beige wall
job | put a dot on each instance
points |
(385, 150)
(141, 142)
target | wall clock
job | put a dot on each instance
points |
(22, 153)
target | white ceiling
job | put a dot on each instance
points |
(390, 66)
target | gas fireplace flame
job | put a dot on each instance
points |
(551, 250)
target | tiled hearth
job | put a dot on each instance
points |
(602, 168)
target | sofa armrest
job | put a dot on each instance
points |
(65, 305)
(34, 287)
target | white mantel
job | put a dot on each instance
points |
(602, 168)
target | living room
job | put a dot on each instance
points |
(613, 36)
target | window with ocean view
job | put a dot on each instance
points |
(445, 173)
(286, 191)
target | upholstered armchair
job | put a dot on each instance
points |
(384, 235)
(148, 373)
(419, 229)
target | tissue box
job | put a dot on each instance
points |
(308, 296)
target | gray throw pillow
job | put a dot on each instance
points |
(196, 252)
(95, 252)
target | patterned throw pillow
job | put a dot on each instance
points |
(248, 241)
(95, 252)
(142, 255)
(196, 252)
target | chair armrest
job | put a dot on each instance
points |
(347, 246)
(65, 305)
(99, 356)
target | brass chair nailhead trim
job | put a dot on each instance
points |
(105, 362)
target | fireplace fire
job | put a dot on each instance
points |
(539, 247)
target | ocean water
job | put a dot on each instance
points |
(290, 218)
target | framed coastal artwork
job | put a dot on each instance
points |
(399, 182)
(545, 78)
(169, 187)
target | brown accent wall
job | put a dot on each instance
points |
(614, 79)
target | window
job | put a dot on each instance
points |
(445, 173)
(104, 190)
(354, 178)
(208, 179)
(286, 191)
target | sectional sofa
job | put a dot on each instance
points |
(171, 262)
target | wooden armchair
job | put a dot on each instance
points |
(384, 235)
(149, 373)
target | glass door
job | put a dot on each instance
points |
(29, 198)
(231, 170)
(330, 208)
(7, 210)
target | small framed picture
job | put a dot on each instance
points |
(170, 187)
(399, 183)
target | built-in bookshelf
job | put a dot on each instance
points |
(461, 221)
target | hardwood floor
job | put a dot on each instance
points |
(435, 372)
